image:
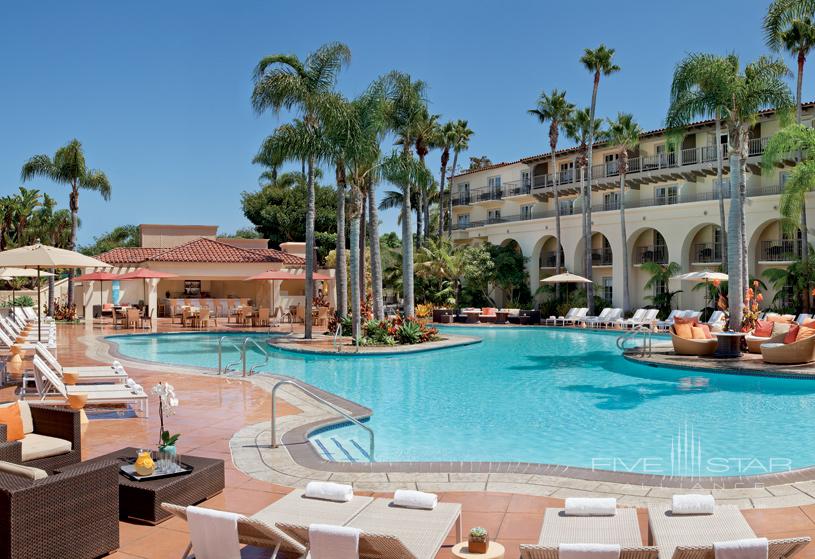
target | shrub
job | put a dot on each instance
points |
(409, 332)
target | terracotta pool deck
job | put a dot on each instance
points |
(214, 409)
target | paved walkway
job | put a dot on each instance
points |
(217, 415)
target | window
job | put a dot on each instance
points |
(525, 179)
(612, 163)
(608, 289)
(567, 171)
(660, 288)
(611, 201)
(526, 212)
(566, 207)
(494, 215)
(494, 184)
(463, 220)
(464, 193)
(666, 195)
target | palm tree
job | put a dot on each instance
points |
(557, 111)
(600, 62)
(699, 81)
(461, 142)
(68, 167)
(788, 26)
(426, 131)
(285, 82)
(6, 220)
(406, 109)
(661, 275)
(443, 140)
(758, 86)
(24, 205)
(51, 227)
(625, 134)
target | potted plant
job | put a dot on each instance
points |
(478, 541)
(167, 402)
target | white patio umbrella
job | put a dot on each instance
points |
(39, 256)
(12, 273)
(705, 276)
(566, 277)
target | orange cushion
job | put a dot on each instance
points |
(698, 333)
(706, 329)
(809, 323)
(682, 320)
(804, 332)
(10, 417)
(487, 310)
(792, 334)
(777, 318)
(763, 329)
(684, 330)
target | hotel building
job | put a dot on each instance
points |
(671, 209)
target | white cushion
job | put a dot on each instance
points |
(23, 471)
(41, 446)
(25, 415)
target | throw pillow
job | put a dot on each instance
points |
(792, 334)
(23, 471)
(684, 330)
(763, 329)
(10, 417)
(706, 329)
(698, 333)
(804, 332)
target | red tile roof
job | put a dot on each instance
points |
(199, 250)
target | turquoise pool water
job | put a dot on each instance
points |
(546, 396)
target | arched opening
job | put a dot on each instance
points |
(511, 278)
(706, 246)
(773, 247)
(646, 245)
(649, 246)
(547, 259)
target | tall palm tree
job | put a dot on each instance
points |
(340, 269)
(788, 26)
(758, 86)
(700, 77)
(600, 62)
(426, 131)
(68, 167)
(443, 140)
(6, 220)
(52, 227)
(284, 81)
(406, 109)
(624, 133)
(557, 111)
(461, 142)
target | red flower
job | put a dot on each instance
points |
(716, 283)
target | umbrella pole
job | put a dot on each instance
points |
(39, 307)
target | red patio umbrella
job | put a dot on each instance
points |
(146, 274)
(100, 277)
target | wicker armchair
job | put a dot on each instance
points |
(684, 346)
(796, 353)
(74, 514)
(61, 423)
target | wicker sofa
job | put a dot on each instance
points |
(796, 353)
(685, 346)
(70, 515)
(60, 424)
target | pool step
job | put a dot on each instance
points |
(339, 449)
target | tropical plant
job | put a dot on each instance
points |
(426, 130)
(286, 82)
(52, 226)
(599, 62)
(760, 85)
(660, 276)
(624, 133)
(792, 281)
(557, 111)
(444, 139)
(461, 142)
(68, 167)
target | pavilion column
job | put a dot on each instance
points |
(88, 289)
(275, 295)
(152, 301)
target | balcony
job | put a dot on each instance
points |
(658, 254)
(518, 188)
(601, 257)
(706, 253)
(488, 194)
(461, 199)
(548, 259)
(779, 250)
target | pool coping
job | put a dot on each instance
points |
(295, 461)
(298, 345)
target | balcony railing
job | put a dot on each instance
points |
(517, 188)
(461, 199)
(548, 259)
(779, 250)
(658, 254)
(484, 194)
(601, 256)
(706, 253)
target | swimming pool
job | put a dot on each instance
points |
(544, 396)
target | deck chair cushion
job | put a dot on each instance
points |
(25, 415)
(27, 472)
(41, 446)
(684, 330)
(10, 417)
(792, 334)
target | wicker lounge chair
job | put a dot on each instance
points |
(52, 440)
(260, 530)
(796, 353)
(754, 342)
(692, 536)
(549, 552)
(391, 532)
(685, 346)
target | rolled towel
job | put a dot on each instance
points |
(588, 551)
(333, 542)
(411, 499)
(115, 364)
(130, 383)
(583, 506)
(329, 491)
(754, 548)
(693, 504)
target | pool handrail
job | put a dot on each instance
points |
(643, 330)
(243, 355)
(220, 351)
(320, 400)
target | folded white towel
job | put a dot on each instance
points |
(333, 542)
(584, 506)
(116, 364)
(693, 504)
(411, 499)
(213, 533)
(130, 383)
(329, 491)
(588, 551)
(757, 548)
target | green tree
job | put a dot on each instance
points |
(121, 236)
(443, 140)
(68, 167)
(53, 227)
(796, 279)
(509, 273)
(286, 82)
(557, 111)
(624, 133)
(599, 62)
(427, 129)
(660, 275)
(758, 86)
(461, 142)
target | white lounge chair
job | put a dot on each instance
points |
(46, 381)
(803, 317)
(592, 320)
(636, 318)
(89, 374)
(14, 330)
(574, 319)
(6, 342)
(552, 320)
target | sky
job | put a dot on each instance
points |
(159, 92)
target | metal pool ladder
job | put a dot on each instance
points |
(262, 350)
(222, 370)
(642, 331)
(320, 400)
(335, 343)
(242, 350)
